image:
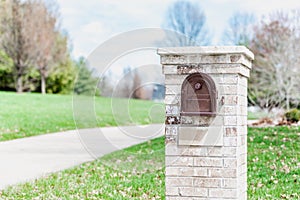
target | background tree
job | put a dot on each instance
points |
(51, 46)
(32, 39)
(86, 83)
(6, 76)
(188, 20)
(240, 29)
(16, 40)
(274, 81)
(61, 77)
(106, 84)
(125, 84)
(137, 83)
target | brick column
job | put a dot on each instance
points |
(206, 155)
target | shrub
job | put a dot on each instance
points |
(292, 115)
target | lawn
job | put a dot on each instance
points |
(23, 115)
(28, 114)
(274, 163)
(256, 115)
(138, 173)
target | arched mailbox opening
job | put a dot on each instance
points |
(198, 95)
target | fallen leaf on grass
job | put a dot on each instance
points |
(259, 185)
(285, 169)
(285, 139)
(273, 167)
(283, 196)
(271, 148)
(283, 146)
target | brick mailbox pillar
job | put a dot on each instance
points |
(206, 121)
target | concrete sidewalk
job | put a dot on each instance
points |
(29, 158)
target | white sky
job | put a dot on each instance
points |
(91, 22)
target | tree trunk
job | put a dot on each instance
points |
(43, 84)
(19, 86)
(287, 102)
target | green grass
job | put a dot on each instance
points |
(27, 114)
(137, 172)
(274, 163)
(256, 115)
(23, 115)
(134, 173)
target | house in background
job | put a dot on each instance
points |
(158, 93)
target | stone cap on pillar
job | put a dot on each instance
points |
(205, 58)
(206, 50)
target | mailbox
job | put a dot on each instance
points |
(198, 95)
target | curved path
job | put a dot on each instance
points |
(29, 158)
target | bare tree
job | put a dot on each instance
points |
(16, 39)
(141, 89)
(240, 29)
(105, 85)
(51, 46)
(188, 21)
(137, 83)
(31, 38)
(275, 76)
(125, 84)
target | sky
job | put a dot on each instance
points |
(92, 22)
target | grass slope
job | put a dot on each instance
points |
(23, 115)
(137, 172)
(27, 114)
